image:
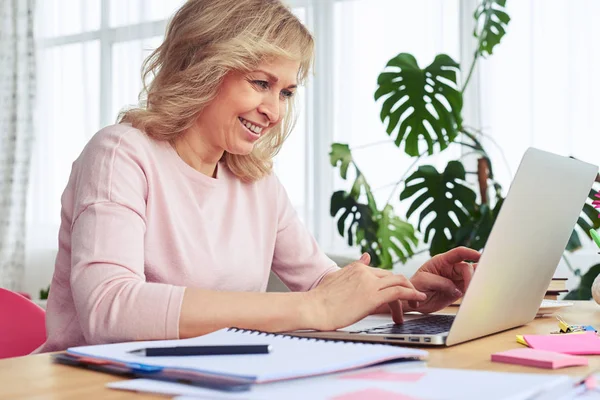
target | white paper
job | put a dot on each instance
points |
(436, 384)
(290, 356)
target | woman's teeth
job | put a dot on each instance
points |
(251, 126)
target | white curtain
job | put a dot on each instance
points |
(17, 91)
(90, 54)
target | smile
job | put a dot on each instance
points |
(250, 126)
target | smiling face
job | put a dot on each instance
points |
(247, 107)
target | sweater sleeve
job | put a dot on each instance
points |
(297, 261)
(114, 303)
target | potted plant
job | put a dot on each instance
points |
(422, 109)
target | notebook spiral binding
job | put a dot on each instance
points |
(300, 338)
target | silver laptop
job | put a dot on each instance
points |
(517, 265)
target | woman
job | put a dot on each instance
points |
(172, 219)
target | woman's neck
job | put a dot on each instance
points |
(198, 154)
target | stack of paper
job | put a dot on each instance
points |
(291, 357)
(392, 382)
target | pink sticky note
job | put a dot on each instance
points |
(382, 375)
(538, 358)
(578, 344)
(370, 394)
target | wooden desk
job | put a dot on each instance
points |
(37, 377)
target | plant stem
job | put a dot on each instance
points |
(491, 139)
(403, 178)
(476, 56)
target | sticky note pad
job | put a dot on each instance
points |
(584, 343)
(538, 358)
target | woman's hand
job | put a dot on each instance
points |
(444, 279)
(357, 290)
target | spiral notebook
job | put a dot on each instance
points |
(291, 357)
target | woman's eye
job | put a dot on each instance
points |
(261, 84)
(286, 94)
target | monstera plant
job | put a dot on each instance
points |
(422, 111)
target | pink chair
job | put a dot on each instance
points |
(22, 325)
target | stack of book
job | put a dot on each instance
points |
(556, 287)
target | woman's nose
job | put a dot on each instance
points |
(270, 108)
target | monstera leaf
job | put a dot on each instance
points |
(380, 233)
(340, 155)
(492, 20)
(589, 219)
(394, 236)
(383, 235)
(421, 104)
(475, 233)
(356, 218)
(444, 195)
(584, 291)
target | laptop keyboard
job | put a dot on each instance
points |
(430, 325)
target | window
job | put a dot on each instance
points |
(538, 89)
(89, 61)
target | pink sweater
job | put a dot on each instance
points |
(139, 225)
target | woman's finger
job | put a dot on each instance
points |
(394, 293)
(365, 259)
(397, 312)
(463, 271)
(395, 280)
(429, 282)
(460, 254)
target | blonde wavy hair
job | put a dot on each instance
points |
(204, 41)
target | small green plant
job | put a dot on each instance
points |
(44, 293)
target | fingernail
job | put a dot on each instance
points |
(457, 293)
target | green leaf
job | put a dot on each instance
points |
(421, 105)
(588, 219)
(340, 154)
(443, 195)
(396, 239)
(474, 234)
(584, 291)
(574, 242)
(492, 21)
(356, 222)
(383, 235)
(44, 293)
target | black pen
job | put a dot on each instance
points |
(203, 350)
